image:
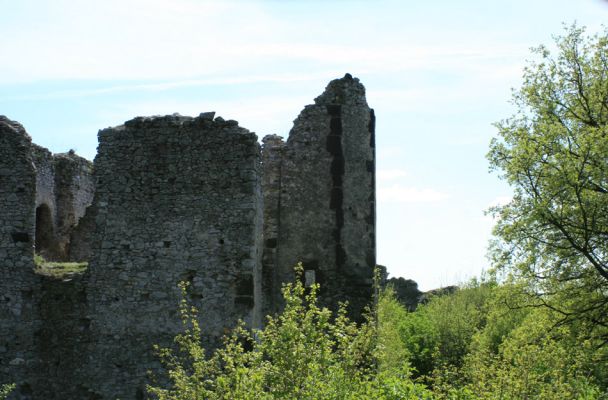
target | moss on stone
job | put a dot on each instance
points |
(58, 269)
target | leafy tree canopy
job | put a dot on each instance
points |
(554, 153)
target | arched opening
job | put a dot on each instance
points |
(44, 231)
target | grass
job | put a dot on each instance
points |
(58, 269)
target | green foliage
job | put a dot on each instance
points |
(485, 341)
(5, 390)
(553, 153)
(489, 341)
(537, 360)
(437, 335)
(58, 269)
(306, 352)
(392, 353)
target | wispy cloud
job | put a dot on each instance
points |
(169, 85)
(183, 39)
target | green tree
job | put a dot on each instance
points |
(306, 352)
(534, 360)
(553, 152)
(438, 334)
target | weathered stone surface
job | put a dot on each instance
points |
(406, 292)
(74, 190)
(18, 315)
(64, 188)
(325, 209)
(176, 198)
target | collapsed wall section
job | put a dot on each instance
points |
(326, 206)
(177, 199)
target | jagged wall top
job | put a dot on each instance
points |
(345, 91)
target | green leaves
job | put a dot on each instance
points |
(306, 352)
(5, 390)
(553, 152)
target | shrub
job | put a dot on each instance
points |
(5, 390)
(306, 352)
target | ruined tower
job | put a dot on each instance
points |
(176, 199)
(320, 199)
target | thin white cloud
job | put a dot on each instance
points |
(169, 85)
(397, 193)
(183, 39)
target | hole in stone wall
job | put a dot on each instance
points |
(44, 231)
(25, 389)
(20, 237)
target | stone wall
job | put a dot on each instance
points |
(46, 212)
(272, 154)
(18, 315)
(326, 206)
(74, 190)
(62, 334)
(64, 188)
(177, 199)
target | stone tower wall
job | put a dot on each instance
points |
(74, 190)
(326, 207)
(64, 188)
(18, 315)
(177, 199)
(46, 211)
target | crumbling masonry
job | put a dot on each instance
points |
(172, 199)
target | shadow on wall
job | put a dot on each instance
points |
(44, 232)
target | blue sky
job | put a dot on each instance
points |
(438, 73)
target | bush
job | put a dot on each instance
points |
(306, 352)
(5, 390)
(538, 359)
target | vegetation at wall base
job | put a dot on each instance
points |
(58, 270)
(484, 341)
(5, 390)
(306, 352)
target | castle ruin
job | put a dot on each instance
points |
(172, 199)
